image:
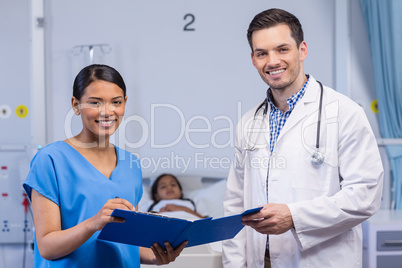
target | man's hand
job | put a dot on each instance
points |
(164, 257)
(271, 219)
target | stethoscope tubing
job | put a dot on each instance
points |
(317, 143)
(317, 157)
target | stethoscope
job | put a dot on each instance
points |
(317, 158)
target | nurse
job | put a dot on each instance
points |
(307, 154)
(75, 184)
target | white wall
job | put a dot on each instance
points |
(15, 131)
(205, 76)
(199, 81)
(14, 70)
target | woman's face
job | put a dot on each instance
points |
(101, 107)
(168, 188)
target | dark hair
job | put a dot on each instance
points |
(273, 17)
(93, 73)
(154, 188)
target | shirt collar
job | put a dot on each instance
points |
(290, 101)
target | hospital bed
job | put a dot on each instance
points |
(207, 194)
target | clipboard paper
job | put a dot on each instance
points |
(143, 230)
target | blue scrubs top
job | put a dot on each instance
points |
(64, 176)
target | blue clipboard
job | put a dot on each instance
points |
(144, 229)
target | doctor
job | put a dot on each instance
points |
(307, 154)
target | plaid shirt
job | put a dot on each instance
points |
(277, 118)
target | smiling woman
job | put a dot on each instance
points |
(101, 108)
(99, 95)
(73, 183)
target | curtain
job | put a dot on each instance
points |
(384, 23)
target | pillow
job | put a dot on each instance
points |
(209, 200)
(190, 183)
(146, 200)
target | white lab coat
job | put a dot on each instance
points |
(327, 202)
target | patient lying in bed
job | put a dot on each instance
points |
(167, 195)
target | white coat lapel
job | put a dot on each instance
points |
(262, 131)
(303, 108)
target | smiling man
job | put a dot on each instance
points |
(331, 177)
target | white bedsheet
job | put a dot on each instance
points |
(180, 215)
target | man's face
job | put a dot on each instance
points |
(276, 57)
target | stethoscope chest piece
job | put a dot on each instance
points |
(317, 158)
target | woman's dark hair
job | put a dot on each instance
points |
(93, 73)
(273, 17)
(154, 188)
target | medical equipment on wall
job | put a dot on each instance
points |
(16, 223)
(83, 55)
(90, 50)
(317, 158)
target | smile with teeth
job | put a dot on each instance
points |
(276, 72)
(105, 123)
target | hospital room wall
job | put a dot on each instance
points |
(203, 76)
(186, 89)
(200, 74)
